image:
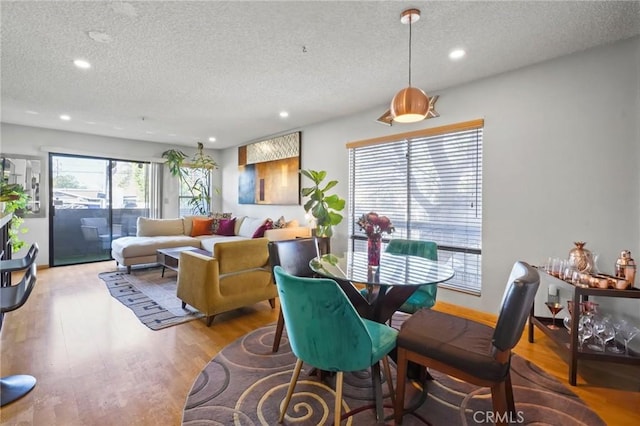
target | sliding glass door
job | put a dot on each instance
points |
(93, 202)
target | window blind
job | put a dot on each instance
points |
(431, 189)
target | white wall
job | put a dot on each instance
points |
(30, 141)
(561, 162)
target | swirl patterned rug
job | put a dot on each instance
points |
(245, 384)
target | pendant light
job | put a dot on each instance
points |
(410, 104)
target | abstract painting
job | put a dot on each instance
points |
(268, 171)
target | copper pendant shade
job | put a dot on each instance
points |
(410, 104)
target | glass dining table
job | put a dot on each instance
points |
(389, 284)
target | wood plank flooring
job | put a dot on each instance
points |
(96, 364)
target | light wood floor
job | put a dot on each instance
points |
(96, 364)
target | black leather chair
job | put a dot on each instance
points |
(468, 350)
(12, 298)
(14, 265)
(293, 256)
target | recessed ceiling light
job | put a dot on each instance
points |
(118, 128)
(32, 112)
(65, 117)
(90, 122)
(149, 132)
(457, 54)
(212, 139)
(284, 114)
(82, 64)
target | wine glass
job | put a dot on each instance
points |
(585, 331)
(598, 327)
(617, 325)
(554, 307)
(628, 331)
(608, 334)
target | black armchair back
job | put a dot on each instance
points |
(293, 255)
(516, 304)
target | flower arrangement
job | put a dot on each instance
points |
(375, 225)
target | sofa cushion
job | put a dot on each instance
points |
(127, 247)
(217, 217)
(260, 231)
(159, 227)
(201, 227)
(280, 223)
(249, 226)
(208, 242)
(239, 220)
(188, 222)
(226, 227)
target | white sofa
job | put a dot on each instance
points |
(154, 234)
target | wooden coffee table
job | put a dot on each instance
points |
(170, 257)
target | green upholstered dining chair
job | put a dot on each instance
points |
(326, 332)
(425, 296)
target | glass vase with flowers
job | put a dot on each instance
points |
(374, 226)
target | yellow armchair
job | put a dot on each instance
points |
(237, 275)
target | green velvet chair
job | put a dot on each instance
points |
(425, 296)
(326, 332)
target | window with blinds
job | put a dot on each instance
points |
(430, 186)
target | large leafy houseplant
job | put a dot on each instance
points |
(15, 199)
(198, 184)
(322, 206)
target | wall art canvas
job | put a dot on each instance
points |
(269, 171)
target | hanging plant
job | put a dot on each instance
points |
(198, 184)
(15, 200)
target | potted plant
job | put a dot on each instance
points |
(323, 207)
(15, 200)
(198, 185)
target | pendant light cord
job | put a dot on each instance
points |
(410, 22)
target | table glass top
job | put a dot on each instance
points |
(393, 270)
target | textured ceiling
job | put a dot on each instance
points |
(226, 69)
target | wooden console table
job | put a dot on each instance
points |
(569, 340)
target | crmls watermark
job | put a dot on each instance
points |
(493, 417)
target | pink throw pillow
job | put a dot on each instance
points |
(226, 227)
(260, 231)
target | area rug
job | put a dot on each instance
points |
(151, 297)
(246, 383)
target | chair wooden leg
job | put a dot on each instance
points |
(292, 386)
(377, 391)
(400, 384)
(511, 406)
(387, 373)
(272, 302)
(278, 335)
(338, 406)
(499, 398)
